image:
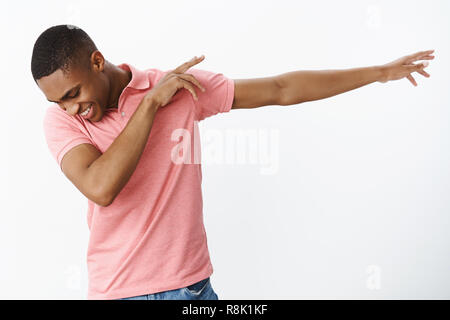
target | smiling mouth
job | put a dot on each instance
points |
(86, 112)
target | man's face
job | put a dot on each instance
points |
(78, 90)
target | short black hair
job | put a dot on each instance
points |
(60, 47)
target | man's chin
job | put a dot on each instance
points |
(96, 118)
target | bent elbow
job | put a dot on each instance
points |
(102, 199)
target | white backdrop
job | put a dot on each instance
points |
(356, 205)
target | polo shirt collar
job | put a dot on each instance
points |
(139, 79)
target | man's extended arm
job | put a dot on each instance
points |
(301, 86)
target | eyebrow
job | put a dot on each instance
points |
(66, 94)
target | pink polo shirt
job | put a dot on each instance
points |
(152, 237)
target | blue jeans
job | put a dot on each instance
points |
(201, 290)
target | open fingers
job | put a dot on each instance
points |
(191, 78)
(416, 67)
(424, 73)
(185, 66)
(189, 86)
(419, 68)
(411, 79)
(421, 55)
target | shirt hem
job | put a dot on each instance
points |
(229, 96)
(144, 289)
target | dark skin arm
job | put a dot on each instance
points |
(302, 86)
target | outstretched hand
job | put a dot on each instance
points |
(404, 67)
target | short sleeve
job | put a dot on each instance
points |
(62, 133)
(218, 96)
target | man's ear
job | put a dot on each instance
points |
(97, 61)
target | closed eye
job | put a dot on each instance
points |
(74, 96)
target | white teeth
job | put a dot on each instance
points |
(86, 112)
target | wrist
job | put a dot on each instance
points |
(382, 73)
(150, 103)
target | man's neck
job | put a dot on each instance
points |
(119, 79)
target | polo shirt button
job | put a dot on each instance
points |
(123, 114)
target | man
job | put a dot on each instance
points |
(115, 131)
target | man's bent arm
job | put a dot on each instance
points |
(114, 167)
